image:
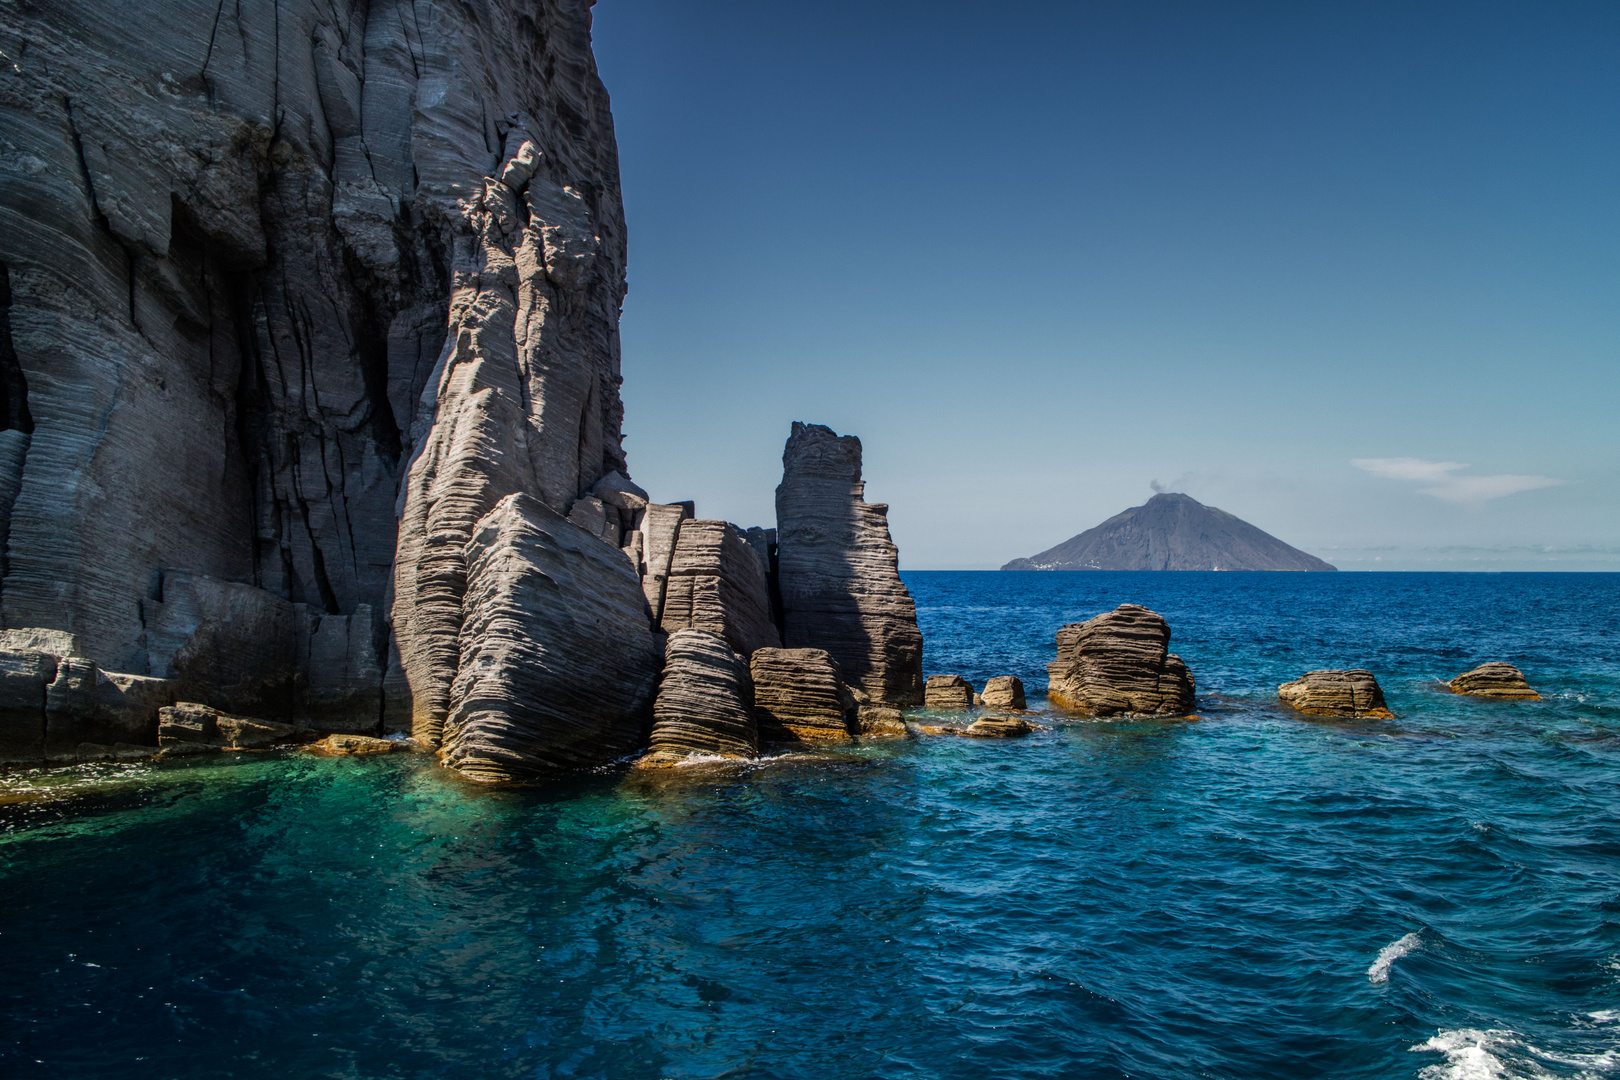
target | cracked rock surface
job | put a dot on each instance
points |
(1119, 664)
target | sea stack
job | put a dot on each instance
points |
(1353, 693)
(1495, 679)
(1120, 664)
(839, 573)
(1172, 532)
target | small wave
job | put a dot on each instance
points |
(1379, 971)
(1468, 1054)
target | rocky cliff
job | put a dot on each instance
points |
(272, 275)
(1172, 532)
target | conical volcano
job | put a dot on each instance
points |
(1172, 532)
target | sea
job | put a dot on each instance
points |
(1244, 894)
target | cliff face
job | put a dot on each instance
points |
(1172, 532)
(272, 276)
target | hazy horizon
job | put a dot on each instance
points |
(1347, 273)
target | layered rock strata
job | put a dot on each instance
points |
(799, 696)
(838, 571)
(558, 662)
(948, 692)
(1119, 663)
(717, 583)
(1495, 679)
(1004, 692)
(998, 727)
(705, 702)
(255, 261)
(1353, 693)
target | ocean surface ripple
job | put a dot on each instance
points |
(1246, 894)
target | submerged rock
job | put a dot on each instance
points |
(1119, 663)
(1352, 693)
(798, 695)
(998, 727)
(1495, 679)
(1003, 692)
(705, 702)
(558, 661)
(948, 692)
(838, 571)
(343, 744)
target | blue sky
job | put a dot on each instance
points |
(1042, 256)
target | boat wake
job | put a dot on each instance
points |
(1472, 1054)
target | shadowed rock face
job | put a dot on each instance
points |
(1119, 663)
(838, 571)
(799, 696)
(1172, 532)
(558, 659)
(255, 261)
(1353, 693)
(705, 702)
(717, 583)
(948, 692)
(1495, 679)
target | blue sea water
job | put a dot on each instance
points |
(1247, 894)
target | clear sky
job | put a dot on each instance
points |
(1350, 271)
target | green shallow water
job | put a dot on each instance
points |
(1244, 895)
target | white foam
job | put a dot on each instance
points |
(1379, 972)
(1468, 1054)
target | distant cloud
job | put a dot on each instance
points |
(1445, 484)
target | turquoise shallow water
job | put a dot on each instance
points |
(1244, 895)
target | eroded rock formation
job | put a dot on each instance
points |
(705, 702)
(255, 261)
(1119, 663)
(838, 572)
(558, 662)
(948, 692)
(717, 583)
(1496, 679)
(1353, 693)
(1004, 692)
(799, 696)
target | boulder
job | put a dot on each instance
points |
(875, 721)
(559, 663)
(1003, 692)
(798, 695)
(716, 583)
(1353, 693)
(1495, 679)
(187, 722)
(246, 733)
(1119, 664)
(838, 571)
(948, 692)
(705, 702)
(998, 727)
(343, 745)
(84, 704)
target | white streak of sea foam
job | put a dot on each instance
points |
(1379, 972)
(1468, 1055)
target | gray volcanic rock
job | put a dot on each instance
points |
(24, 676)
(258, 263)
(1353, 693)
(716, 583)
(1495, 679)
(1172, 532)
(838, 571)
(558, 661)
(798, 695)
(948, 692)
(84, 704)
(705, 702)
(1119, 663)
(1004, 692)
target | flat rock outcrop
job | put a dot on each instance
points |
(1119, 663)
(948, 692)
(1352, 693)
(716, 583)
(1496, 679)
(998, 727)
(799, 696)
(558, 661)
(705, 702)
(1172, 532)
(838, 571)
(275, 278)
(1004, 692)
